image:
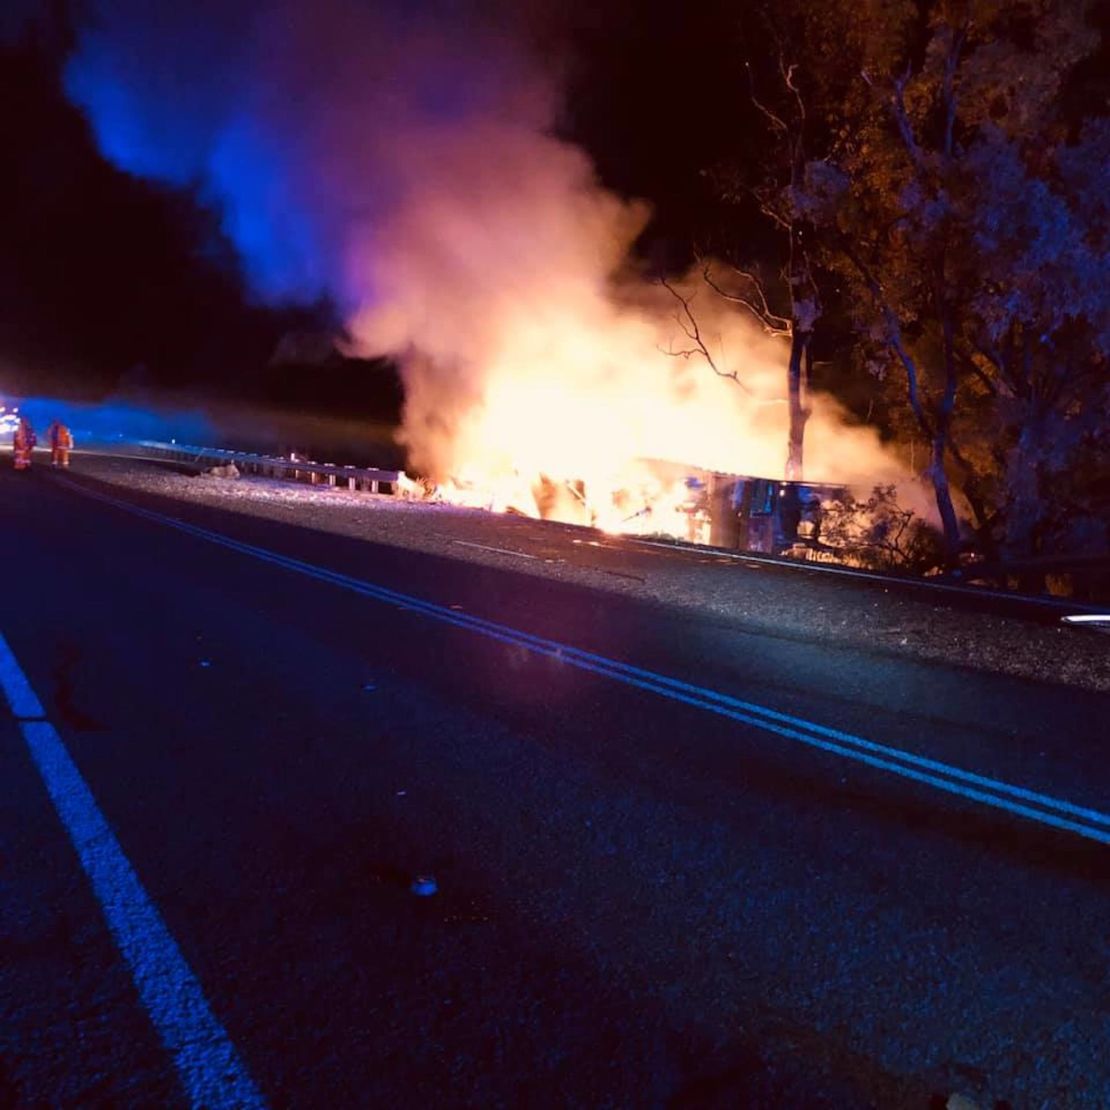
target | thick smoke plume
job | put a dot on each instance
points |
(406, 163)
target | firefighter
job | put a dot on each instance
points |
(23, 443)
(61, 443)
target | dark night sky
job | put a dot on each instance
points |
(662, 98)
(105, 276)
(103, 271)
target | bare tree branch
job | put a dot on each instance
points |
(688, 322)
(775, 120)
(784, 223)
(896, 342)
(788, 72)
(905, 126)
(983, 377)
(771, 322)
(950, 65)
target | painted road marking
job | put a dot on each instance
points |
(211, 1072)
(25, 705)
(499, 550)
(1019, 801)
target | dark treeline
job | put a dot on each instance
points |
(916, 196)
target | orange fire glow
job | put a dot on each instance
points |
(543, 374)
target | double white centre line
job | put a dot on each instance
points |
(1056, 813)
(211, 1072)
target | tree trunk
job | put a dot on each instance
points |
(944, 500)
(940, 440)
(797, 374)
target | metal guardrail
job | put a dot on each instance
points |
(373, 480)
(369, 479)
(890, 579)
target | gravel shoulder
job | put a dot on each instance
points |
(782, 600)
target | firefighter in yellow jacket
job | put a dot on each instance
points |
(23, 443)
(61, 443)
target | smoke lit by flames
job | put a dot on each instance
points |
(542, 372)
(403, 159)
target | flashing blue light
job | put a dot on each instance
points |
(118, 420)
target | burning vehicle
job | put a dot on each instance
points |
(768, 516)
(660, 499)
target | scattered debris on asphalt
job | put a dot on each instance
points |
(229, 471)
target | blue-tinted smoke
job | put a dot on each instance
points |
(166, 89)
(292, 117)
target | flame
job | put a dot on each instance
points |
(592, 409)
(642, 502)
(543, 372)
(545, 375)
(428, 195)
(598, 413)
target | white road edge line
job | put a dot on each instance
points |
(1050, 811)
(499, 550)
(210, 1069)
(22, 699)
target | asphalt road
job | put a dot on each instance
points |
(689, 884)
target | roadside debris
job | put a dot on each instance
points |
(229, 471)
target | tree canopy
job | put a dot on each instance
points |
(953, 200)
